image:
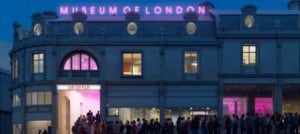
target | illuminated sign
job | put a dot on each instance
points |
(121, 10)
(78, 87)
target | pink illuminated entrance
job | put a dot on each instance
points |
(239, 105)
(73, 101)
(263, 105)
(234, 106)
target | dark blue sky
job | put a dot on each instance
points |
(21, 10)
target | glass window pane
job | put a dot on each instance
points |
(245, 49)
(33, 127)
(41, 56)
(41, 98)
(252, 48)
(15, 68)
(137, 64)
(127, 64)
(190, 62)
(67, 65)
(252, 58)
(93, 64)
(84, 62)
(28, 99)
(48, 98)
(16, 101)
(245, 58)
(34, 98)
(76, 62)
(35, 57)
(41, 66)
(113, 111)
(17, 129)
(35, 66)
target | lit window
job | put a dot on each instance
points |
(17, 128)
(38, 98)
(249, 55)
(190, 62)
(15, 68)
(16, 101)
(113, 111)
(132, 64)
(38, 63)
(80, 61)
(33, 127)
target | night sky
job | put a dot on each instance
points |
(21, 10)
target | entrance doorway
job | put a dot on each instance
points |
(73, 102)
(236, 106)
(263, 106)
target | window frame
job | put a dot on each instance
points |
(40, 63)
(248, 54)
(142, 63)
(30, 98)
(80, 53)
(184, 61)
(15, 102)
(15, 68)
(16, 125)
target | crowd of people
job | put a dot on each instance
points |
(288, 123)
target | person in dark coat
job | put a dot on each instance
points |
(228, 125)
(45, 131)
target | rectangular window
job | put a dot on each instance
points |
(113, 111)
(38, 98)
(34, 98)
(28, 98)
(15, 68)
(132, 64)
(48, 98)
(249, 55)
(33, 127)
(38, 63)
(17, 128)
(41, 98)
(191, 62)
(16, 101)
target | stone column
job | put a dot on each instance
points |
(54, 108)
(277, 98)
(162, 102)
(220, 91)
(251, 104)
(103, 103)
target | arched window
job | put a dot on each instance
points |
(16, 101)
(80, 61)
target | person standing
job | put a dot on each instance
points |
(210, 126)
(242, 124)
(45, 131)
(228, 125)
(249, 123)
(235, 124)
(195, 125)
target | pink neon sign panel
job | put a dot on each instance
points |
(119, 10)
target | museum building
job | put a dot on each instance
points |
(139, 66)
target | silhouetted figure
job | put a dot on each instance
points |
(45, 131)
(228, 125)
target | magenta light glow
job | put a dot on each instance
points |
(236, 106)
(80, 62)
(81, 102)
(263, 105)
(146, 10)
